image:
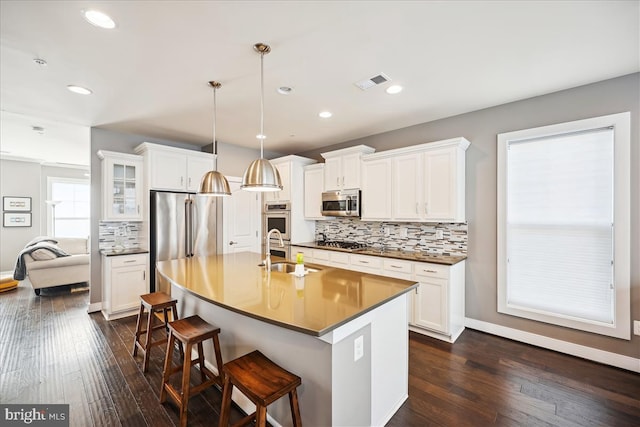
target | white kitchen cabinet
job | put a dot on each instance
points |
(427, 183)
(376, 189)
(174, 169)
(284, 195)
(122, 195)
(291, 170)
(342, 167)
(438, 305)
(366, 263)
(313, 188)
(124, 279)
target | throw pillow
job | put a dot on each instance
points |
(43, 254)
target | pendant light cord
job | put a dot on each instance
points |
(215, 142)
(261, 105)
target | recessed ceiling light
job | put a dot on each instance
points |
(285, 90)
(392, 90)
(325, 114)
(79, 89)
(99, 19)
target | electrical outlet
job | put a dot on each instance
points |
(636, 327)
(403, 232)
(358, 348)
(439, 234)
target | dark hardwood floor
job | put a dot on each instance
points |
(52, 351)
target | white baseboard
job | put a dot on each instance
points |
(589, 353)
(94, 307)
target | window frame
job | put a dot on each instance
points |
(49, 212)
(620, 122)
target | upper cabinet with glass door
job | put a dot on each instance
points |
(121, 186)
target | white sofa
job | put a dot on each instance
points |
(63, 270)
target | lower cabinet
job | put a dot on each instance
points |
(436, 307)
(124, 279)
(438, 303)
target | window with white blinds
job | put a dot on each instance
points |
(558, 228)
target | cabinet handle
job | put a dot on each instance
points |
(130, 260)
(343, 181)
(337, 180)
(395, 266)
(417, 208)
(138, 208)
(182, 180)
(231, 243)
(426, 208)
(189, 181)
(144, 275)
(430, 271)
(363, 262)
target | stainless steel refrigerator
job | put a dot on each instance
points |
(182, 225)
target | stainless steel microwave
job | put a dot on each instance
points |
(341, 203)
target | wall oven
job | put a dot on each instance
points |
(277, 215)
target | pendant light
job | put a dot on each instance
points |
(213, 183)
(261, 175)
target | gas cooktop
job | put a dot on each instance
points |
(342, 245)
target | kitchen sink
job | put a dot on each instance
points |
(288, 267)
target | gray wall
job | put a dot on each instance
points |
(233, 161)
(481, 128)
(19, 179)
(27, 179)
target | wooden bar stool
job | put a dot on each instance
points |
(153, 303)
(261, 381)
(190, 331)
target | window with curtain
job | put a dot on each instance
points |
(563, 252)
(69, 209)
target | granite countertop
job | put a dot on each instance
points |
(128, 251)
(314, 304)
(392, 253)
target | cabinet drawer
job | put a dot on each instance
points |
(437, 271)
(128, 260)
(320, 255)
(366, 261)
(397, 266)
(339, 258)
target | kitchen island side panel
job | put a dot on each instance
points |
(302, 354)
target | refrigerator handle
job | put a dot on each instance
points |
(187, 227)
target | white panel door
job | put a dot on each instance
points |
(430, 309)
(313, 187)
(351, 170)
(127, 284)
(241, 220)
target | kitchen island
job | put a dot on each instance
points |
(343, 332)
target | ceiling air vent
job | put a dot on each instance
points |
(373, 81)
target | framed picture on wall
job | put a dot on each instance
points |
(16, 204)
(16, 219)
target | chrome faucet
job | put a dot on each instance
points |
(267, 260)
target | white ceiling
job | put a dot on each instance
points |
(149, 75)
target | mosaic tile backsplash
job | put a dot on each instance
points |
(418, 237)
(125, 234)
